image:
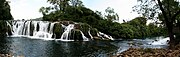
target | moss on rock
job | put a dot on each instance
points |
(85, 28)
(94, 32)
(58, 30)
(76, 35)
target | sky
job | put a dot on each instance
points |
(29, 9)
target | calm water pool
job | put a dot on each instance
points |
(50, 48)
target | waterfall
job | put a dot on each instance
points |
(67, 32)
(90, 34)
(84, 37)
(100, 34)
(39, 28)
(45, 30)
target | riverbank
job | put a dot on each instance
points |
(149, 52)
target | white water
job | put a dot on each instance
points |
(44, 30)
(100, 34)
(84, 37)
(90, 34)
(162, 41)
(66, 35)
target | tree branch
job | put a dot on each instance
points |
(174, 16)
(169, 12)
(163, 11)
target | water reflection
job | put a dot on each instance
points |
(4, 45)
(21, 46)
(43, 48)
(83, 49)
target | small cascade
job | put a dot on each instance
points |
(90, 34)
(84, 37)
(42, 31)
(64, 31)
(100, 34)
(66, 35)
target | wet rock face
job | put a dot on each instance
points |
(77, 26)
(31, 29)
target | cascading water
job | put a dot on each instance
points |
(100, 34)
(67, 31)
(84, 37)
(90, 34)
(39, 28)
(45, 30)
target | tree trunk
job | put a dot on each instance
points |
(169, 24)
(171, 35)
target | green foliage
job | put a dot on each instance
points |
(76, 35)
(111, 15)
(85, 28)
(3, 27)
(93, 31)
(58, 30)
(5, 10)
(167, 12)
(135, 28)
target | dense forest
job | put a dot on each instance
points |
(4, 15)
(74, 10)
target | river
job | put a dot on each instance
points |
(29, 47)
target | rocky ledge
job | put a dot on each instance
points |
(150, 52)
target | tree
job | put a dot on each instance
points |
(76, 3)
(168, 10)
(111, 15)
(61, 9)
(5, 10)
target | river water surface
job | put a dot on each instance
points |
(28, 47)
